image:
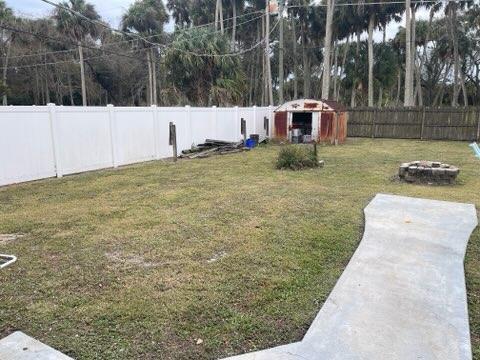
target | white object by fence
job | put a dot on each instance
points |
(38, 142)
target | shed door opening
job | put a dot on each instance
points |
(301, 127)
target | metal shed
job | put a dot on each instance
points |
(307, 120)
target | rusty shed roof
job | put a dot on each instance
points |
(310, 105)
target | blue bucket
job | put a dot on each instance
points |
(250, 143)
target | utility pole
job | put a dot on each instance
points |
(280, 55)
(267, 52)
(328, 49)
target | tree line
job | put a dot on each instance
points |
(237, 52)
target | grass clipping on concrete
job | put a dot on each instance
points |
(296, 157)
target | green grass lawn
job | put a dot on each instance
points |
(142, 261)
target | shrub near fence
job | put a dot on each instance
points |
(415, 123)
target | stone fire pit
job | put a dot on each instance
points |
(428, 172)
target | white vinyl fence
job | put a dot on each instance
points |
(37, 142)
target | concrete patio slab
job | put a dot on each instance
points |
(402, 295)
(19, 346)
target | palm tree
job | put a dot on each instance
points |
(237, 6)
(78, 29)
(451, 10)
(147, 18)
(180, 10)
(219, 15)
(408, 97)
(378, 15)
(6, 15)
(327, 51)
(203, 80)
(434, 7)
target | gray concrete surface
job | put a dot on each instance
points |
(18, 346)
(402, 295)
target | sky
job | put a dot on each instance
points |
(112, 10)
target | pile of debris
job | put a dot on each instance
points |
(211, 147)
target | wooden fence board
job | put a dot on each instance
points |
(415, 123)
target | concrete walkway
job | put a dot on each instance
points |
(402, 295)
(18, 346)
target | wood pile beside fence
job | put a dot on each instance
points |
(415, 123)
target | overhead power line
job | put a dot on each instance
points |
(135, 35)
(123, 55)
(414, 2)
(62, 61)
(99, 23)
(129, 41)
(62, 41)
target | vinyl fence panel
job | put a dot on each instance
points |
(83, 141)
(37, 142)
(26, 145)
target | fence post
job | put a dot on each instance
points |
(215, 118)
(188, 123)
(373, 122)
(237, 120)
(55, 141)
(254, 121)
(173, 139)
(423, 123)
(243, 129)
(111, 129)
(155, 132)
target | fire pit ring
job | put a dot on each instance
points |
(428, 172)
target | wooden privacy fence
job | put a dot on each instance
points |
(415, 123)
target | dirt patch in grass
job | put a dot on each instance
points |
(142, 261)
(8, 238)
(118, 257)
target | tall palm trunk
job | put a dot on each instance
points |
(399, 87)
(414, 53)
(418, 87)
(37, 88)
(70, 90)
(154, 76)
(328, 46)
(464, 88)
(219, 15)
(335, 69)
(149, 84)
(234, 23)
(47, 87)
(371, 25)
(267, 53)
(408, 97)
(82, 75)
(344, 60)
(354, 82)
(438, 100)
(5, 70)
(295, 64)
(423, 59)
(306, 64)
(280, 55)
(456, 60)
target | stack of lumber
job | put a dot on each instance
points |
(211, 147)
